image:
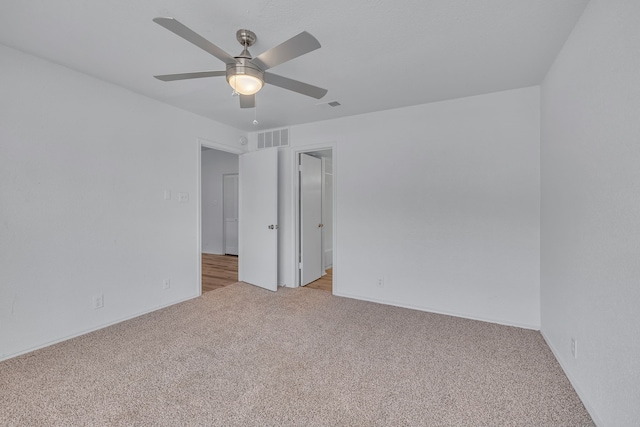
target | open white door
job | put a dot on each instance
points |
(258, 219)
(310, 218)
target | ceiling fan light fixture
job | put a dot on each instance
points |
(245, 84)
(244, 77)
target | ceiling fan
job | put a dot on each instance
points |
(245, 74)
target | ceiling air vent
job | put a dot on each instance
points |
(273, 138)
(329, 104)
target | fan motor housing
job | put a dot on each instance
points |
(244, 67)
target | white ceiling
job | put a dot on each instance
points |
(375, 55)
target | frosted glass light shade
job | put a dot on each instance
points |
(245, 84)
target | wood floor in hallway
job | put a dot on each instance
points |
(219, 271)
(324, 283)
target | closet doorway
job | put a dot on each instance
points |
(218, 218)
(315, 200)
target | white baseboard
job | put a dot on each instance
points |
(432, 310)
(573, 382)
(86, 331)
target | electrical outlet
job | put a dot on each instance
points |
(98, 301)
(380, 282)
(574, 348)
(166, 283)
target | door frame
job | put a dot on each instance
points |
(295, 204)
(201, 142)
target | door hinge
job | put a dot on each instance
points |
(300, 168)
(299, 266)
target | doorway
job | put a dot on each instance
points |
(315, 219)
(218, 215)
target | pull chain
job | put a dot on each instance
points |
(255, 111)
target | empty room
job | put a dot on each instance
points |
(461, 176)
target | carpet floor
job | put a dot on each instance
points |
(243, 356)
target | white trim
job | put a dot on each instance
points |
(295, 184)
(221, 147)
(199, 216)
(97, 328)
(443, 312)
(583, 397)
(323, 201)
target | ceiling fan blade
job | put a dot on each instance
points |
(189, 35)
(295, 85)
(185, 76)
(292, 48)
(247, 101)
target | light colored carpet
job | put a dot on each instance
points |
(243, 356)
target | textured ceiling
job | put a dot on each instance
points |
(375, 54)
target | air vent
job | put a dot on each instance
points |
(329, 104)
(273, 138)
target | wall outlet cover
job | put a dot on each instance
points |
(98, 301)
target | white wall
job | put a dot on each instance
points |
(590, 232)
(215, 164)
(83, 168)
(442, 201)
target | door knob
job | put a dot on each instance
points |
(320, 225)
(273, 227)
